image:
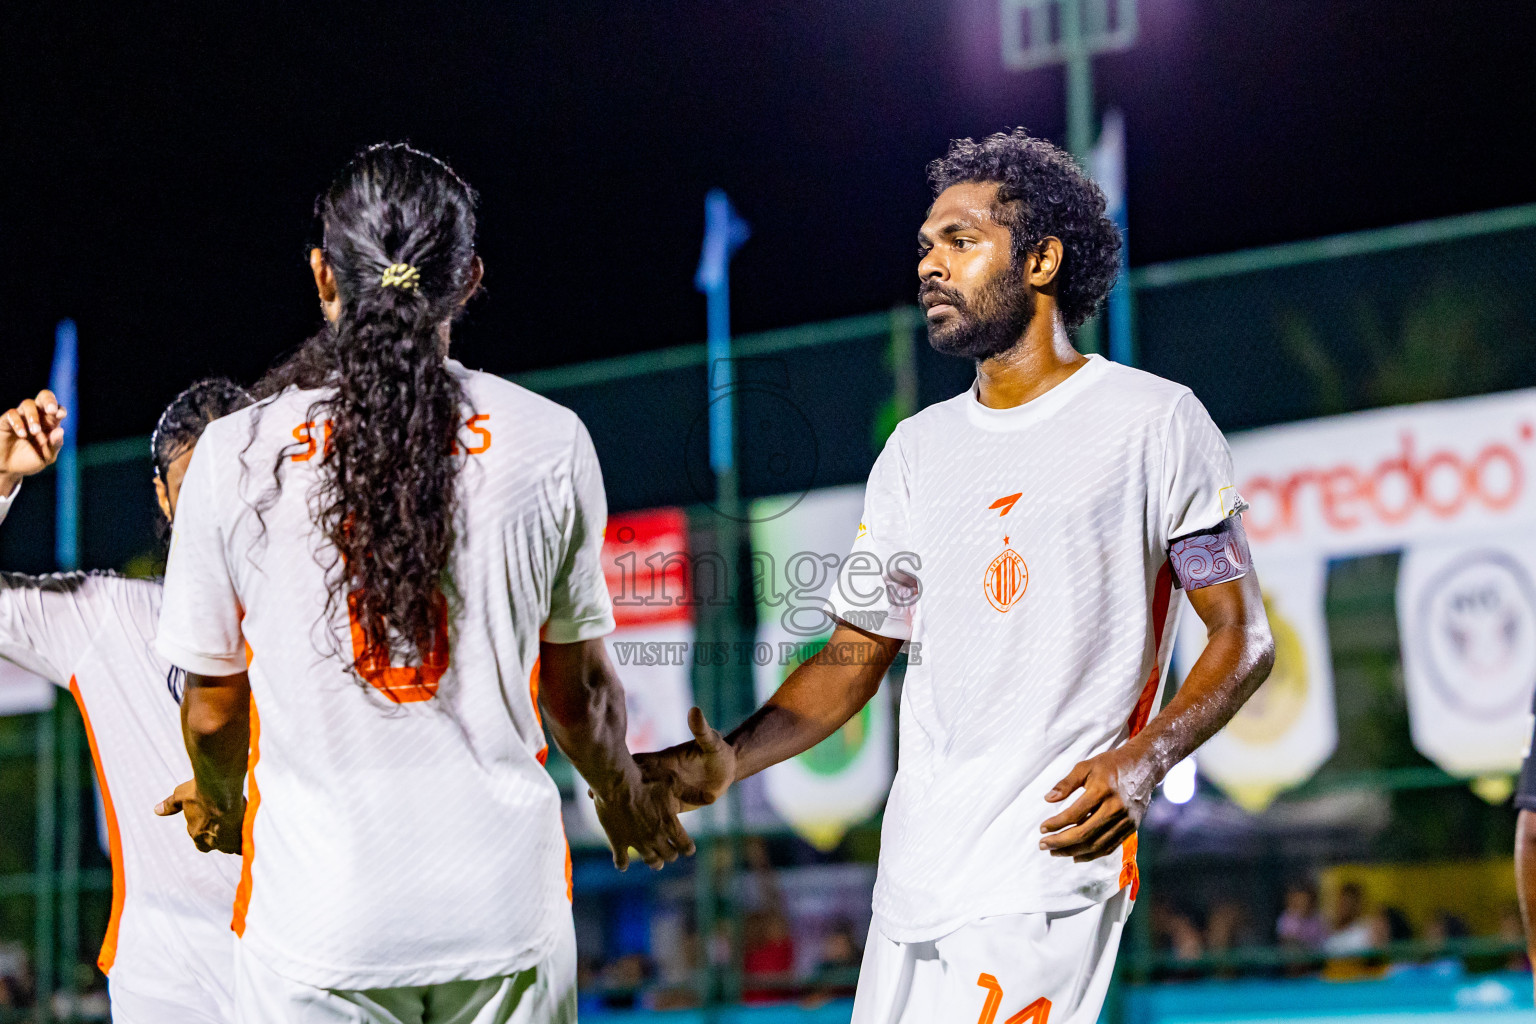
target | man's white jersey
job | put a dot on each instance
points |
(1038, 537)
(401, 830)
(168, 934)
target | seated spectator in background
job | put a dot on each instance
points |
(1301, 924)
(588, 980)
(1443, 928)
(768, 956)
(1512, 930)
(840, 957)
(16, 988)
(1176, 931)
(1225, 926)
(623, 979)
(840, 947)
(1353, 930)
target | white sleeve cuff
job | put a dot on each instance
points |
(557, 631)
(202, 664)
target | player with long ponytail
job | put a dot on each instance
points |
(381, 574)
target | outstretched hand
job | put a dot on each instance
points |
(643, 815)
(31, 435)
(697, 772)
(1117, 788)
(210, 832)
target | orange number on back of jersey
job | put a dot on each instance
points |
(406, 685)
(1037, 1012)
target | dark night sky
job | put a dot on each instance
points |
(159, 162)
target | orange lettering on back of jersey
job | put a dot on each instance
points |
(303, 433)
(485, 435)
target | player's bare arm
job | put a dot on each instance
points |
(815, 701)
(1117, 785)
(583, 702)
(216, 724)
(1525, 874)
(30, 437)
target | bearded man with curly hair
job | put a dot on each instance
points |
(1025, 538)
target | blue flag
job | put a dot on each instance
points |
(66, 534)
(724, 232)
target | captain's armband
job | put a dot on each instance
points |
(1217, 555)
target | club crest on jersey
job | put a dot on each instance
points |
(1006, 580)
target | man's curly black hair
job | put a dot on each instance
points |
(1042, 192)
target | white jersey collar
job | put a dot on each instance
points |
(1036, 409)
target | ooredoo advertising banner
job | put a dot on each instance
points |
(798, 541)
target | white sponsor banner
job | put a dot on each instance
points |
(1288, 727)
(1466, 613)
(645, 558)
(798, 543)
(1375, 481)
(21, 692)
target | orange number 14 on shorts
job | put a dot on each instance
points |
(1037, 1012)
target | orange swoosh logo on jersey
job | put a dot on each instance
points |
(1006, 504)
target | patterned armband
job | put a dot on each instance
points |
(1217, 555)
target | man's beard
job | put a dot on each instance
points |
(991, 325)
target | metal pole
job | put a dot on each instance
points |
(1080, 130)
(69, 841)
(42, 872)
(66, 540)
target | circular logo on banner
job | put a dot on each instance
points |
(1477, 634)
(1006, 580)
(1277, 704)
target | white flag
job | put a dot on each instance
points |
(1287, 730)
(797, 549)
(1466, 614)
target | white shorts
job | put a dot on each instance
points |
(543, 994)
(1012, 969)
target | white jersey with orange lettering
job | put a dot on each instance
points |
(1038, 537)
(401, 829)
(168, 943)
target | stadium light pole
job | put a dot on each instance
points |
(1043, 33)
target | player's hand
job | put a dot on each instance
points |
(210, 831)
(641, 815)
(1116, 790)
(31, 435)
(698, 772)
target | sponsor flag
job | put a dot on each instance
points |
(1466, 613)
(798, 543)
(645, 558)
(1288, 728)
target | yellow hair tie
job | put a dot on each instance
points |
(400, 275)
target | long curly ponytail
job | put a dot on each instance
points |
(399, 229)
